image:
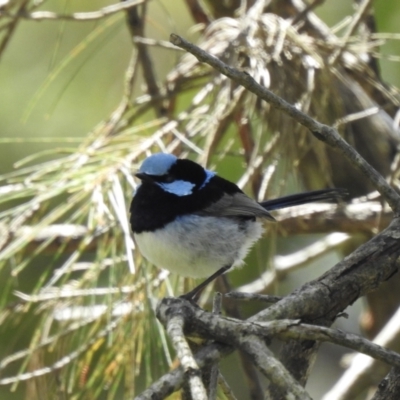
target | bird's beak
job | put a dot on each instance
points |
(144, 177)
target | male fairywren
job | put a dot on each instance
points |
(190, 221)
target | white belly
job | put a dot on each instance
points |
(180, 247)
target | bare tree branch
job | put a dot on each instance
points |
(185, 356)
(389, 388)
(241, 333)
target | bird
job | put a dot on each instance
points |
(194, 223)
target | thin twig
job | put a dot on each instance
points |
(78, 16)
(136, 24)
(357, 18)
(226, 390)
(266, 298)
(185, 356)
(11, 26)
(309, 8)
(214, 373)
(271, 368)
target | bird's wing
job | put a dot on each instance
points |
(236, 205)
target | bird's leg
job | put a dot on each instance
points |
(194, 294)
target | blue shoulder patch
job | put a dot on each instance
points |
(209, 175)
(179, 188)
(157, 164)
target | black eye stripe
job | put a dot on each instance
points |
(163, 178)
(188, 171)
(169, 178)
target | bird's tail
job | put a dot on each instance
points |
(304, 198)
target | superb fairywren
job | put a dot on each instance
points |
(190, 221)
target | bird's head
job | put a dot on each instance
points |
(180, 177)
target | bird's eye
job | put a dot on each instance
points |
(169, 178)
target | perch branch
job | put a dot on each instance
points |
(239, 333)
(185, 356)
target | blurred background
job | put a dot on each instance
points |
(62, 82)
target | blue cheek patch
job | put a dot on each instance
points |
(179, 188)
